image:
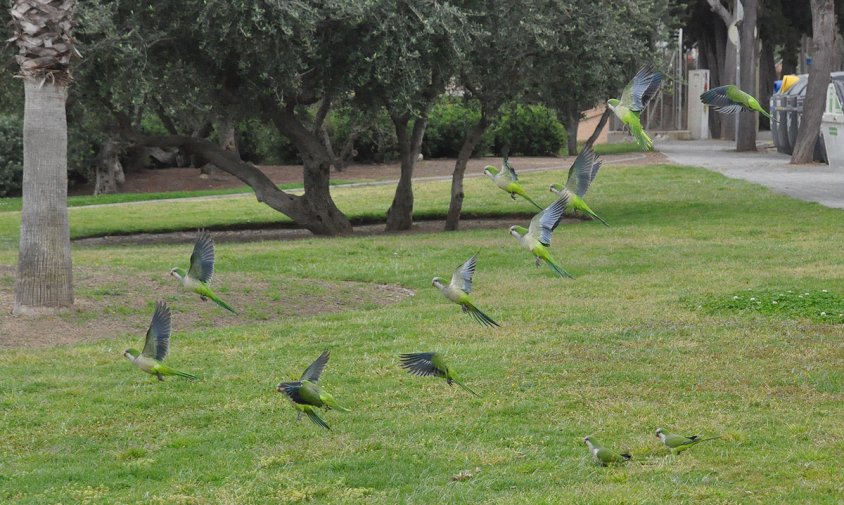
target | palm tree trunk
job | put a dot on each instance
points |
(45, 277)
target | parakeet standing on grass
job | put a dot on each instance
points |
(507, 180)
(581, 174)
(201, 270)
(634, 99)
(306, 395)
(537, 238)
(156, 346)
(430, 363)
(679, 443)
(730, 99)
(459, 288)
(603, 455)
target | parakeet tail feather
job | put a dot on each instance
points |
(558, 269)
(317, 420)
(481, 317)
(222, 304)
(465, 387)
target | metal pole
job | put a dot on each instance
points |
(680, 80)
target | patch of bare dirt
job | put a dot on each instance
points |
(188, 179)
(110, 304)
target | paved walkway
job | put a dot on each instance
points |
(815, 183)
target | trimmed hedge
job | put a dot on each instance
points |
(529, 130)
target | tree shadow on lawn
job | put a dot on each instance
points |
(110, 305)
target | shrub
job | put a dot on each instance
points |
(529, 130)
(448, 122)
(376, 141)
(11, 155)
(264, 145)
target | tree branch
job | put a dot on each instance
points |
(718, 8)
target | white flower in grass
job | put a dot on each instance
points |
(774, 302)
(823, 313)
(752, 298)
(807, 294)
(735, 298)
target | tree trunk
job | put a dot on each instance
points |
(473, 137)
(571, 121)
(400, 213)
(45, 276)
(727, 72)
(319, 213)
(109, 170)
(790, 51)
(600, 126)
(747, 120)
(767, 75)
(823, 38)
(728, 76)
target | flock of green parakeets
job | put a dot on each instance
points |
(306, 395)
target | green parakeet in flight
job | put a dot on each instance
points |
(306, 395)
(537, 238)
(679, 443)
(603, 455)
(201, 270)
(581, 174)
(634, 99)
(156, 345)
(459, 288)
(730, 99)
(507, 180)
(430, 363)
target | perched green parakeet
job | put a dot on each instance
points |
(730, 99)
(306, 395)
(201, 270)
(459, 288)
(430, 363)
(603, 455)
(156, 346)
(537, 238)
(679, 443)
(581, 174)
(507, 180)
(634, 99)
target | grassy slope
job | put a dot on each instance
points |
(615, 353)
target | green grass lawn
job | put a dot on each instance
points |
(648, 335)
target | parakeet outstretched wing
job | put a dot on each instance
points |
(313, 372)
(462, 277)
(583, 172)
(717, 98)
(508, 170)
(641, 89)
(158, 335)
(202, 258)
(421, 363)
(292, 390)
(546, 221)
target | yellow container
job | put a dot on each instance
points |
(787, 82)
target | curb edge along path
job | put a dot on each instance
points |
(814, 182)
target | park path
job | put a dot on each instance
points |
(815, 182)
